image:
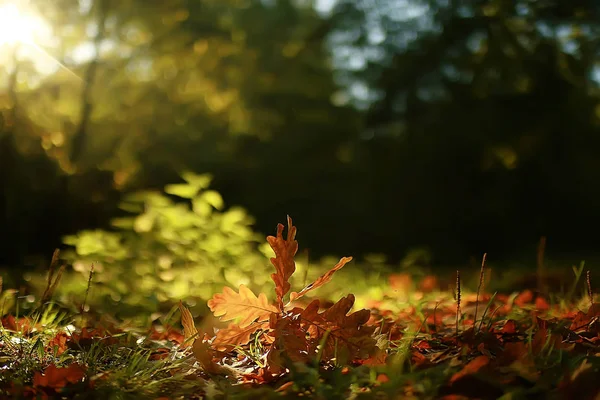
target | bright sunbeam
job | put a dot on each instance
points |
(16, 27)
(23, 28)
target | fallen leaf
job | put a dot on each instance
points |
(58, 343)
(510, 327)
(204, 355)
(471, 368)
(187, 320)
(523, 298)
(235, 335)
(244, 306)
(166, 333)
(348, 337)
(56, 378)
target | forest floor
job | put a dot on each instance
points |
(415, 342)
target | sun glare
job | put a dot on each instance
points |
(17, 27)
(23, 29)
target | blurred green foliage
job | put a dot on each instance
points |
(183, 243)
(167, 250)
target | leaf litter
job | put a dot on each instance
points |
(439, 345)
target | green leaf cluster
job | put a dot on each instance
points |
(167, 249)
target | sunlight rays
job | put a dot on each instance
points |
(21, 29)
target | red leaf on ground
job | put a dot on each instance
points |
(57, 378)
(523, 298)
(379, 358)
(510, 327)
(166, 332)
(58, 342)
(541, 341)
(541, 304)
(512, 351)
(22, 325)
(471, 368)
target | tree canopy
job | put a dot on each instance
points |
(464, 126)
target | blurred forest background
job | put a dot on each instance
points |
(380, 126)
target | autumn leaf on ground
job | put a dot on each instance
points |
(235, 335)
(58, 343)
(323, 279)
(244, 306)
(347, 336)
(56, 378)
(285, 250)
(471, 368)
(290, 338)
(189, 328)
(204, 354)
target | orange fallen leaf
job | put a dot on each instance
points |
(57, 378)
(58, 343)
(471, 368)
(204, 355)
(243, 305)
(510, 327)
(235, 335)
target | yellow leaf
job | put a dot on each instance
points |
(189, 328)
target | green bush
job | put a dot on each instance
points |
(167, 250)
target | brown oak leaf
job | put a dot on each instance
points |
(323, 279)
(235, 335)
(290, 338)
(346, 336)
(285, 250)
(244, 306)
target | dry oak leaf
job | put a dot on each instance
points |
(235, 335)
(285, 250)
(289, 338)
(323, 279)
(244, 306)
(346, 334)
